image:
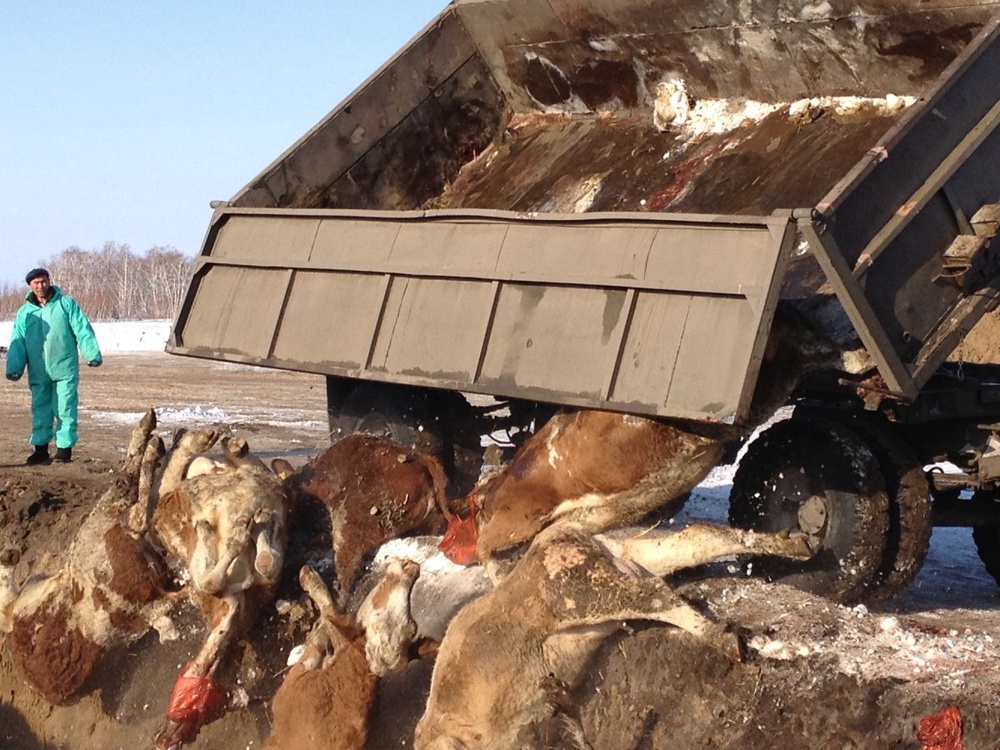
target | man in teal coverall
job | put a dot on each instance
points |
(48, 330)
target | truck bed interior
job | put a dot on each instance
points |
(707, 107)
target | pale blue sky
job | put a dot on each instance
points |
(120, 121)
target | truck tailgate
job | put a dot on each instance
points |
(653, 314)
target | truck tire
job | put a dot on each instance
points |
(818, 477)
(910, 515)
(399, 413)
(987, 539)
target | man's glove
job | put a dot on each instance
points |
(13, 376)
(94, 363)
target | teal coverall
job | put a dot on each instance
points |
(45, 339)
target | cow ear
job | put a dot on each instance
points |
(176, 436)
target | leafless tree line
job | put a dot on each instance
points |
(114, 283)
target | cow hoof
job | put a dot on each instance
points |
(267, 566)
(801, 544)
(734, 645)
(10, 557)
(796, 544)
(282, 468)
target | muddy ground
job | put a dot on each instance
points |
(817, 675)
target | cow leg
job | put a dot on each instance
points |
(318, 645)
(687, 618)
(238, 453)
(667, 552)
(268, 560)
(596, 512)
(185, 445)
(340, 628)
(197, 698)
(313, 585)
(627, 598)
(8, 588)
(270, 556)
(210, 656)
(209, 570)
(124, 492)
(317, 648)
(139, 514)
(620, 596)
(135, 451)
(204, 563)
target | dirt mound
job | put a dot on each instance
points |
(819, 675)
(56, 506)
(982, 343)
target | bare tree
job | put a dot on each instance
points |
(114, 283)
(168, 274)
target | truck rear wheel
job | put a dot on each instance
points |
(910, 515)
(987, 539)
(820, 478)
(390, 411)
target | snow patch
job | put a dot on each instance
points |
(117, 336)
(674, 108)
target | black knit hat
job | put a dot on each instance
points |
(34, 273)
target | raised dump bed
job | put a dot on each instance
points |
(868, 125)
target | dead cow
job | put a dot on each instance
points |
(109, 590)
(374, 490)
(385, 618)
(438, 589)
(597, 469)
(325, 701)
(513, 655)
(603, 470)
(229, 530)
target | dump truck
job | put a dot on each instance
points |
(539, 204)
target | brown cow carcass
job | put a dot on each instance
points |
(373, 490)
(325, 701)
(598, 469)
(226, 523)
(402, 605)
(603, 470)
(510, 660)
(110, 589)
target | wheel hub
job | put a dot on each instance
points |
(812, 515)
(374, 424)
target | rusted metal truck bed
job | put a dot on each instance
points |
(586, 309)
(599, 202)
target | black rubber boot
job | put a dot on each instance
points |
(40, 456)
(64, 455)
